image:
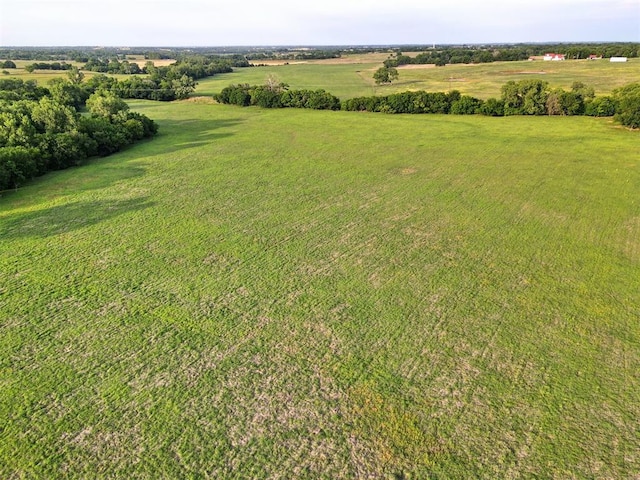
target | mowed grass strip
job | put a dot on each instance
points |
(306, 294)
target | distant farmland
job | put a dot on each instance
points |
(301, 294)
(352, 75)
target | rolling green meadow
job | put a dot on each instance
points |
(313, 294)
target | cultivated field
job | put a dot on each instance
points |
(303, 294)
(141, 61)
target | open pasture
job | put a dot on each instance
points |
(485, 80)
(480, 80)
(303, 294)
(353, 59)
(343, 80)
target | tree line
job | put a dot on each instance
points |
(506, 53)
(525, 97)
(193, 66)
(47, 66)
(43, 129)
(277, 95)
(164, 83)
(496, 51)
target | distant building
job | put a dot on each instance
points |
(594, 57)
(553, 57)
(618, 59)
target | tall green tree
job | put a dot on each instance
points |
(184, 86)
(75, 76)
(526, 97)
(106, 104)
(53, 117)
(67, 93)
(385, 75)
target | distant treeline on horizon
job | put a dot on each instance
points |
(463, 53)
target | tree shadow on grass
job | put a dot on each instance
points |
(66, 218)
(176, 135)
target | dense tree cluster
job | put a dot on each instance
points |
(113, 66)
(405, 102)
(151, 87)
(83, 54)
(214, 63)
(154, 87)
(14, 89)
(161, 83)
(42, 129)
(198, 67)
(277, 96)
(193, 66)
(165, 83)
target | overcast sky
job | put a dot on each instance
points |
(321, 22)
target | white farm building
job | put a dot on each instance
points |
(553, 57)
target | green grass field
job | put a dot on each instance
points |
(303, 294)
(342, 80)
(482, 81)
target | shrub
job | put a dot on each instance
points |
(17, 164)
(601, 107)
(492, 108)
(466, 106)
(627, 100)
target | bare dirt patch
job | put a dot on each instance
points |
(355, 59)
(417, 66)
(158, 63)
(344, 60)
(524, 72)
(275, 63)
(208, 100)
